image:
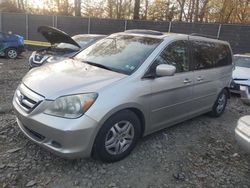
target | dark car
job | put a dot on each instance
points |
(11, 45)
(62, 45)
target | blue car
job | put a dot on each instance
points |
(11, 45)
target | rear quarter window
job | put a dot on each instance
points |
(208, 55)
(222, 55)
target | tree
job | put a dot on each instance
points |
(137, 10)
(77, 7)
(162, 10)
(181, 5)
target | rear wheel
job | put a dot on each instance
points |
(220, 104)
(117, 137)
(11, 53)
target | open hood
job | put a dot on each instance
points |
(54, 35)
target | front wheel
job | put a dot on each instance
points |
(220, 104)
(11, 53)
(117, 137)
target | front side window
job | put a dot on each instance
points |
(119, 53)
(175, 54)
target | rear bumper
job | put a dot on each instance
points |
(242, 135)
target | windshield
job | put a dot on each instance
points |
(242, 61)
(120, 53)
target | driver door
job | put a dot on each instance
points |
(172, 96)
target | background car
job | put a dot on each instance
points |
(242, 133)
(241, 77)
(11, 45)
(62, 45)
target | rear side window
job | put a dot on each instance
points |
(209, 55)
(175, 54)
(203, 54)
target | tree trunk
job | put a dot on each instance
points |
(181, 3)
(196, 15)
(77, 7)
(146, 9)
(203, 10)
(137, 10)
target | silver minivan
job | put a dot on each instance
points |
(123, 87)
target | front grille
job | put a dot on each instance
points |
(27, 99)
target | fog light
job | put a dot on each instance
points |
(56, 144)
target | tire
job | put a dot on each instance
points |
(220, 104)
(11, 53)
(117, 137)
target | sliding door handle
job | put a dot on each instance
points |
(187, 81)
(199, 78)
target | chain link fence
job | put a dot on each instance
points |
(26, 25)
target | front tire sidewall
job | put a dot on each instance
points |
(99, 150)
(8, 55)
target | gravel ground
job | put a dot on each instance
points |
(201, 152)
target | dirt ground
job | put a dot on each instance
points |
(201, 152)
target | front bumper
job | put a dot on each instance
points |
(245, 94)
(68, 138)
(242, 133)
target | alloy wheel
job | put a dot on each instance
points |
(12, 54)
(221, 103)
(119, 137)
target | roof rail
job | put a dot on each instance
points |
(144, 31)
(203, 35)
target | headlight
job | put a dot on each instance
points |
(72, 106)
(54, 59)
(32, 55)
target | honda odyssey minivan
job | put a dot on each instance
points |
(121, 88)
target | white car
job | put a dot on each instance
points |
(242, 133)
(241, 77)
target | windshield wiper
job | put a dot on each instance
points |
(98, 65)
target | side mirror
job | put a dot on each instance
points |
(165, 70)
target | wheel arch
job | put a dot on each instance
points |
(228, 92)
(138, 111)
